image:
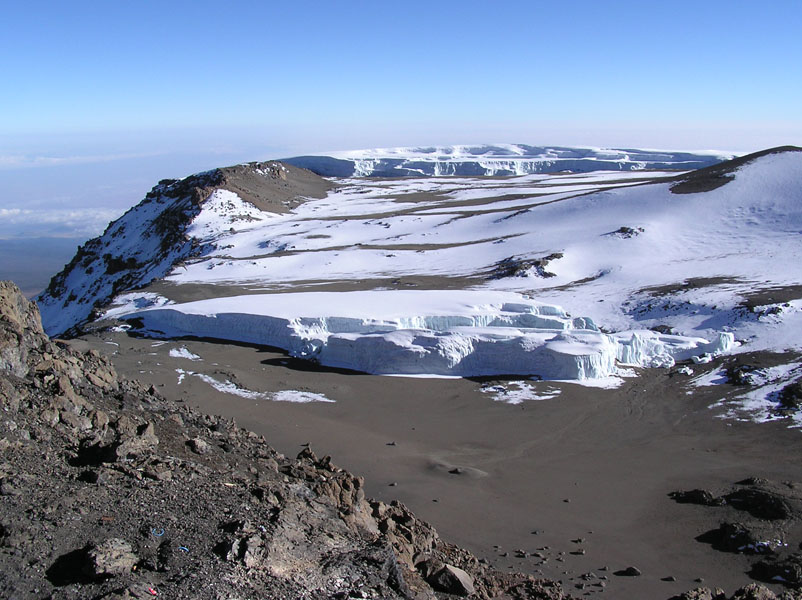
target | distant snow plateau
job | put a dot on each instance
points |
(499, 160)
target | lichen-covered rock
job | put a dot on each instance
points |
(110, 558)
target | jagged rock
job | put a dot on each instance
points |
(198, 446)
(409, 536)
(743, 374)
(143, 441)
(759, 503)
(791, 396)
(787, 570)
(112, 557)
(70, 419)
(754, 591)
(625, 232)
(628, 572)
(100, 420)
(249, 550)
(452, 580)
(429, 567)
(21, 330)
(701, 593)
(735, 537)
(519, 267)
(702, 497)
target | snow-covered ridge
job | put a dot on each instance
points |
(143, 244)
(498, 160)
(177, 220)
(465, 333)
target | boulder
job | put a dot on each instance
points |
(452, 580)
(112, 557)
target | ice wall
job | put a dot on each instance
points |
(519, 337)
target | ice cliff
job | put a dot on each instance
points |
(411, 332)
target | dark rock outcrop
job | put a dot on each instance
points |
(763, 522)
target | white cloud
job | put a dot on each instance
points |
(26, 161)
(82, 222)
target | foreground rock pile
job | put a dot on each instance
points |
(107, 490)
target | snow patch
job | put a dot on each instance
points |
(516, 392)
(761, 403)
(298, 396)
(133, 301)
(183, 353)
(229, 387)
(714, 377)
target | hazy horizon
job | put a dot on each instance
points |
(103, 102)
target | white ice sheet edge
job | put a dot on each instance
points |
(484, 333)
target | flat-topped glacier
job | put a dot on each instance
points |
(414, 332)
(498, 160)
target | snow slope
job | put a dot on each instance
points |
(498, 159)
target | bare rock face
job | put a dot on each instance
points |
(21, 330)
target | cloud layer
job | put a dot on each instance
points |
(83, 222)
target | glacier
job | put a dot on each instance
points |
(464, 333)
(499, 160)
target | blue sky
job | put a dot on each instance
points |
(102, 99)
